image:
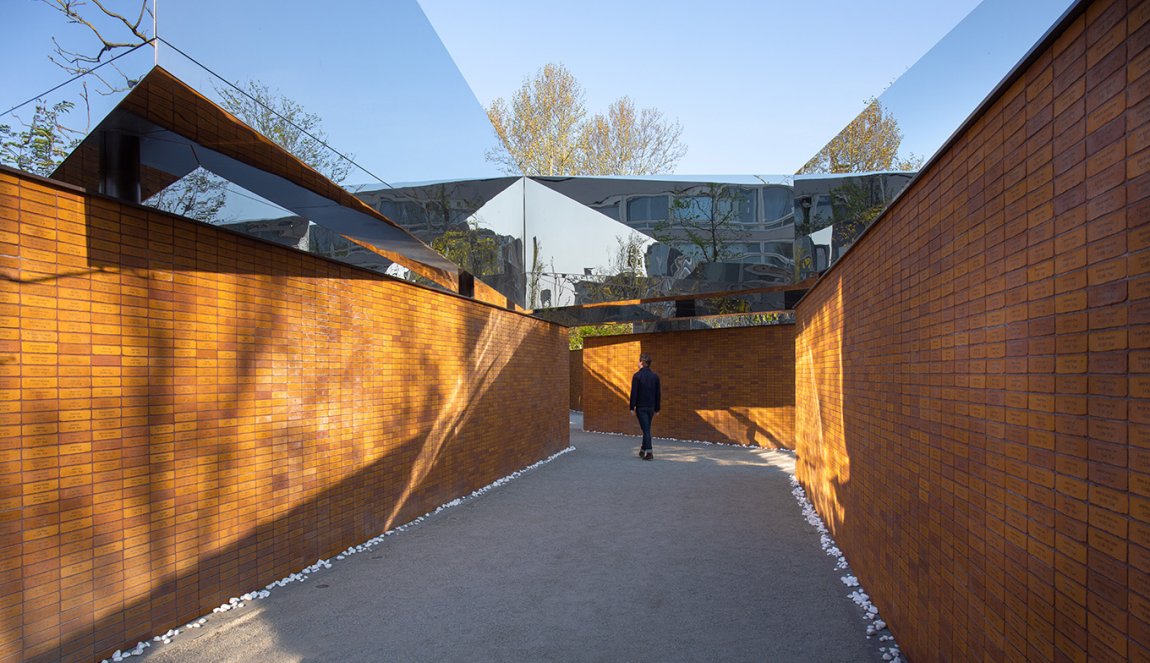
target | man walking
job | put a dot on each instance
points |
(645, 401)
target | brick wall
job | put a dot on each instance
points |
(972, 378)
(576, 376)
(188, 414)
(721, 385)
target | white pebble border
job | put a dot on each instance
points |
(300, 576)
(876, 627)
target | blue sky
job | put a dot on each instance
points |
(757, 86)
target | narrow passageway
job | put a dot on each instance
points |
(595, 556)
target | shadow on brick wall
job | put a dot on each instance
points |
(974, 455)
(727, 385)
(228, 412)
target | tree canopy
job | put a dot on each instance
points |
(630, 141)
(869, 143)
(286, 123)
(544, 130)
(43, 143)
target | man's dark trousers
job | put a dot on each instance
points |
(645, 414)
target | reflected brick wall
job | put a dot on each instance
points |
(187, 414)
(719, 385)
(973, 410)
(168, 102)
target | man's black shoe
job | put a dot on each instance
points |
(649, 456)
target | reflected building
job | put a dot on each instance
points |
(552, 242)
(575, 250)
(683, 247)
(832, 211)
(468, 222)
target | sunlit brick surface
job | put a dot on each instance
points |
(576, 380)
(721, 385)
(973, 408)
(188, 414)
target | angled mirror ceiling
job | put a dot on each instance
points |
(397, 108)
(163, 135)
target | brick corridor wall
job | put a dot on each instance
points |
(718, 385)
(973, 378)
(576, 375)
(187, 414)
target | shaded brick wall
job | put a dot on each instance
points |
(187, 414)
(576, 372)
(719, 385)
(973, 377)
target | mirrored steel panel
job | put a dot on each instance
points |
(832, 211)
(167, 146)
(554, 243)
(933, 98)
(558, 243)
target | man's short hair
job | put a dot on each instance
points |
(645, 359)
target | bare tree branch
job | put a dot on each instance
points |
(76, 62)
(134, 27)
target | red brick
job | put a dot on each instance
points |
(874, 375)
(306, 363)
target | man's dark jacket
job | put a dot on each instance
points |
(645, 389)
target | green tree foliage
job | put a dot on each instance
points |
(52, 133)
(43, 143)
(751, 320)
(869, 143)
(626, 272)
(575, 335)
(854, 209)
(544, 130)
(726, 305)
(625, 276)
(473, 248)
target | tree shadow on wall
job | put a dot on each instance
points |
(227, 478)
(873, 438)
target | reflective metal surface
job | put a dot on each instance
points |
(548, 242)
(168, 147)
(831, 211)
(544, 242)
(934, 97)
